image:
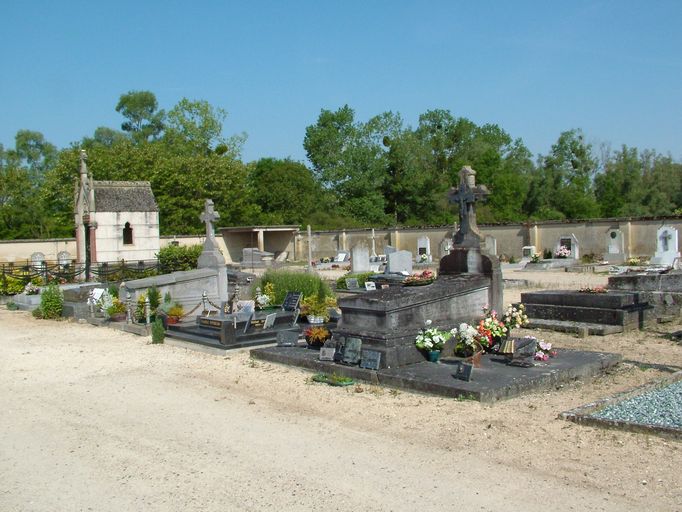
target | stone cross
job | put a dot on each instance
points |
(467, 194)
(665, 237)
(209, 217)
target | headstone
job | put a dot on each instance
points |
(666, 246)
(37, 260)
(527, 252)
(615, 253)
(464, 371)
(370, 359)
(571, 243)
(360, 258)
(269, 321)
(341, 256)
(64, 258)
(339, 346)
(424, 249)
(399, 261)
(389, 249)
(287, 339)
(291, 301)
(352, 283)
(327, 353)
(352, 351)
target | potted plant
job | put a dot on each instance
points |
(431, 340)
(492, 328)
(175, 312)
(117, 310)
(316, 336)
(470, 343)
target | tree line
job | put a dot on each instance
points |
(380, 172)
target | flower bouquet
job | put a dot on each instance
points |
(469, 340)
(544, 351)
(562, 252)
(31, 289)
(431, 339)
(593, 289)
(492, 327)
(515, 316)
(420, 279)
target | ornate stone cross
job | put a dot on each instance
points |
(209, 217)
(467, 194)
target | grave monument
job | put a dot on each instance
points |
(387, 320)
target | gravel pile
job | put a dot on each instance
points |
(659, 407)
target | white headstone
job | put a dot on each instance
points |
(341, 256)
(667, 244)
(399, 261)
(64, 258)
(424, 249)
(615, 253)
(359, 260)
(571, 243)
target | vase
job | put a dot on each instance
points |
(315, 345)
(433, 356)
(475, 359)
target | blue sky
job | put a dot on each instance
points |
(611, 68)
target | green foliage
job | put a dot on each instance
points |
(176, 310)
(360, 276)
(113, 291)
(174, 258)
(117, 307)
(37, 313)
(158, 333)
(12, 306)
(52, 302)
(11, 285)
(154, 298)
(140, 108)
(289, 281)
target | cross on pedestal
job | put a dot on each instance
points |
(467, 194)
(208, 217)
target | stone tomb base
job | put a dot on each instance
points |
(596, 313)
(495, 380)
(388, 320)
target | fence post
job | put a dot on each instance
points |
(147, 310)
(129, 314)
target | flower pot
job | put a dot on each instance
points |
(433, 356)
(475, 359)
(315, 345)
(173, 320)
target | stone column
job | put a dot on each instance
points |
(261, 240)
(93, 241)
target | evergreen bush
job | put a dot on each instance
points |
(158, 333)
(360, 276)
(174, 258)
(52, 302)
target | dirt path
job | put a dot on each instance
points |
(95, 419)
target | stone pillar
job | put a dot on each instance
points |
(93, 242)
(261, 240)
(343, 241)
(628, 239)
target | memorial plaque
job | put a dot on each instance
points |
(327, 353)
(291, 301)
(352, 283)
(371, 359)
(269, 321)
(370, 285)
(385, 286)
(287, 339)
(464, 371)
(339, 346)
(352, 351)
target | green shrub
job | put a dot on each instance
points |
(113, 291)
(12, 306)
(11, 285)
(37, 313)
(158, 334)
(285, 281)
(52, 301)
(174, 258)
(154, 298)
(360, 276)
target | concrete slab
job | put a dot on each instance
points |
(495, 380)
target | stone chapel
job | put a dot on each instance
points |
(115, 220)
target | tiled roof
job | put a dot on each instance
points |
(124, 196)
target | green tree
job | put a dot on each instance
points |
(144, 120)
(286, 191)
(198, 127)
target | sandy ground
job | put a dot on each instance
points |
(95, 419)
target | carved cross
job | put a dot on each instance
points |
(467, 194)
(209, 217)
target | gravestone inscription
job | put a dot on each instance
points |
(291, 301)
(352, 351)
(352, 283)
(327, 353)
(464, 371)
(371, 359)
